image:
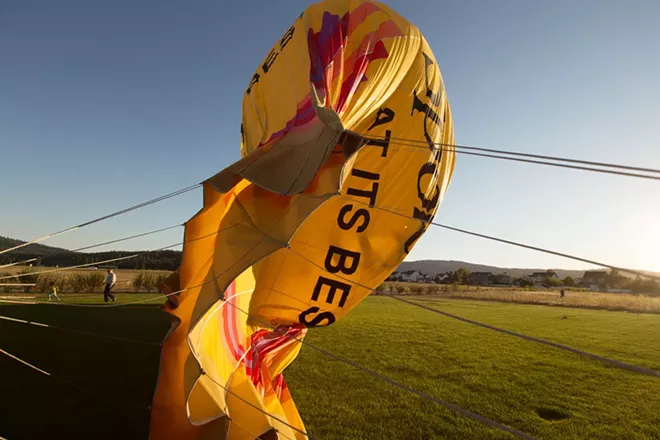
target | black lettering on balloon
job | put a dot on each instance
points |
(333, 287)
(316, 321)
(357, 215)
(288, 36)
(428, 204)
(383, 143)
(270, 59)
(255, 79)
(384, 116)
(344, 256)
(429, 110)
(425, 218)
(371, 195)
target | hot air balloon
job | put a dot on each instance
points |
(322, 207)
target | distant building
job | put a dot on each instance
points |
(503, 279)
(480, 278)
(412, 276)
(441, 278)
(540, 278)
(595, 280)
(598, 277)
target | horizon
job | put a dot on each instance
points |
(473, 263)
(96, 120)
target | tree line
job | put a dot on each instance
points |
(157, 260)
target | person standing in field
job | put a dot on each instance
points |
(53, 291)
(110, 281)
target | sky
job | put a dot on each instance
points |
(107, 104)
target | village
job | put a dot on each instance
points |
(594, 280)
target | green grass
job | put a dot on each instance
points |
(495, 375)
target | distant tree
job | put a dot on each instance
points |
(553, 282)
(569, 281)
(462, 276)
(523, 282)
(615, 279)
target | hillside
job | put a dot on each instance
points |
(433, 267)
(170, 260)
(33, 250)
(53, 256)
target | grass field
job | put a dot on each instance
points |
(581, 298)
(503, 378)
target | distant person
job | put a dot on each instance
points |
(53, 291)
(110, 281)
(562, 293)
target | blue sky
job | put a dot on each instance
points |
(107, 104)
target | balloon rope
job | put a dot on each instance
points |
(105, 217)
(451, 147)
(97, 335)
(382, 377)
(73, 385)
(509, 242)
(611, 362)
(112, 260)
(257, 408)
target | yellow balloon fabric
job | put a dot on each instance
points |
(347, 152)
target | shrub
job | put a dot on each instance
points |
(93, 281)
(44, 281)
(6, 281)
(417, 290)
(148, 282)
(24, 278)
(77, 282)
(138, 280)
(160, 279)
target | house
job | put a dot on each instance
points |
(540, 278)
(480, 278)
(503, 279)
(594, 278)
(413, 276)
(441, 278)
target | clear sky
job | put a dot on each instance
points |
(107, 104)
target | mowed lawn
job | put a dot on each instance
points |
(506, 379)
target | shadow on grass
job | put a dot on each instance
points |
(33, 405)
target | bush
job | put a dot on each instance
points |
(93, 281)
(417, 290)
(148, 282)
(553, 282)
(44, 281)
(62, 282)
(77, 282)
(138, 282)
(6, 281)
(160, 279)
(32, 278)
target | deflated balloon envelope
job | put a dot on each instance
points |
(342, 168)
